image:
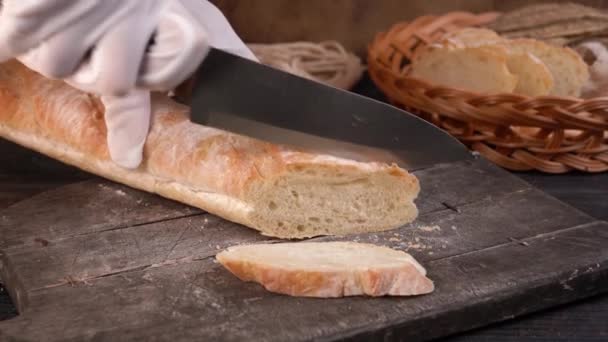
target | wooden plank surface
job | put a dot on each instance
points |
(198, 299)
(83, 257)
(582, 321)
(90, 277)
(587, 192)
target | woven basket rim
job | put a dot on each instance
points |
(472, 94)
(389, 61)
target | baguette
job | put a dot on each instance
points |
(327, 269)
(279, 191)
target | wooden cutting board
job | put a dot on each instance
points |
(94, 260)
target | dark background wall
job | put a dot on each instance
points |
(351, 22)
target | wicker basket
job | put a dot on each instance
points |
(549, 134)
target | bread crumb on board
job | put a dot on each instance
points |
(430, 239)
(417, 246)
(403, 243)
(107, 187)
(430, 228)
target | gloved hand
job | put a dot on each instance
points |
(118, 49)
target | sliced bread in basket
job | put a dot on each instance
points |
(478, 59)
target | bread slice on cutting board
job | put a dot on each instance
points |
(478, 59)
(280, 191)
(328, 269)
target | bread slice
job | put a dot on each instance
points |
(471, 36)
(533, 77)
(279, 191)
(539, 68)
(328, 269)
(480, 69)
(570, 73)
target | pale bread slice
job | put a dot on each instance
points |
(471, 36)
(534, 78)
(476, 59)
(480, 69)
(327, 269)
(467, 37)
(570, 73)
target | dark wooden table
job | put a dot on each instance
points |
(582, 321)
(23, 173)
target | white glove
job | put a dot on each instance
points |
(118, 49)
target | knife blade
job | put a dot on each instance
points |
(241, 96)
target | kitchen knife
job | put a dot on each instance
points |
(248, 98)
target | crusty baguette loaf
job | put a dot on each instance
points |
(328, 269)
(279, 191)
